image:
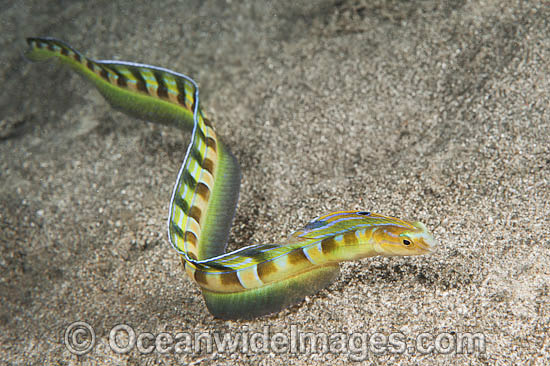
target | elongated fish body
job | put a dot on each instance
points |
(257, 279)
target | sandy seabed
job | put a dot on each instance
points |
(436, 111)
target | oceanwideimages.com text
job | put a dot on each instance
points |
(80, 339)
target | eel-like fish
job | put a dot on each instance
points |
(257, 279)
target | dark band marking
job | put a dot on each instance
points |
(200, 277)
(90, 65)
(193, 104)
(328, 245)
(141, 84)
(121, 79)
(181, 92)
(350, 238)
(265, 269)
(181, 203)
(177, 230)
(208, 165)
(189, 180)
(203, 191)
(103, 73)
(191, 238)
(195, 213)
(195, 154)
(297, 257)
(210, 142)
(181, 100)
(206, 120)
(64, 51)
(231, 279)
(200, 134)
(162, 90)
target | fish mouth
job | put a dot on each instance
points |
(427, 243)
(424, 240)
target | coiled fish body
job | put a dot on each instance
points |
(258, 279)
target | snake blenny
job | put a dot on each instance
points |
(258, 279)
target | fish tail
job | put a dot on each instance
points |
(205, 195)
(41, 49)
(144, 91)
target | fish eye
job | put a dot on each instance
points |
(363, 213)
(406, 242)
